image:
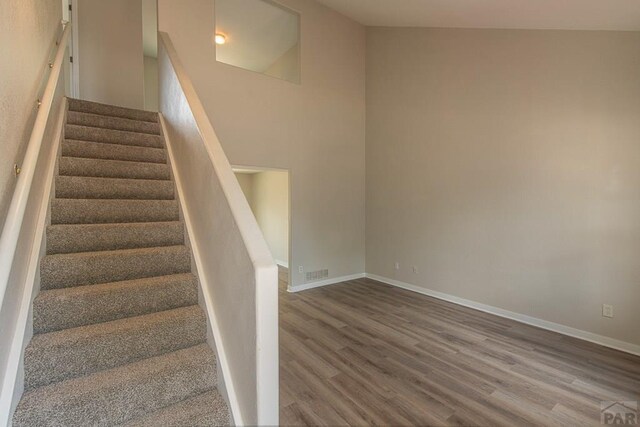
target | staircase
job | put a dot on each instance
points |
(119, 337)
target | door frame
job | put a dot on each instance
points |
(75, 49)
(290, 216)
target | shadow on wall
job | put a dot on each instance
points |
(267, 192)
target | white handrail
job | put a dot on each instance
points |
(15, 215)
(265, 270)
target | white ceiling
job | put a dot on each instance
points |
(515, 14)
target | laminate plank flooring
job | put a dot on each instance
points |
(365, 353)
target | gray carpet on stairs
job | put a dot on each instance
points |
(119, 336)
(91, 268)
(69, 238)
(195, 412)
(104, 151)
(97, 211)
(86, 187)
(110, 122)
(111, 136)
(111, 301)
(77, 166)
(111, 111)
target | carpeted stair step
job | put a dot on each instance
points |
(82, 187)
(90, 211)
(119, 335)
(76, 166)
(110, 122)
(118, 395)
(70, 353)
(205, 410)
(58, 309)
(110, 110)
(70, 238)
(110, 136)
(104, 151)
(89, 268)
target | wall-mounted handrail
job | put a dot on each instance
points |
(15, 215)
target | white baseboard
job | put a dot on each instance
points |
(533, 321)
(326, 282)
(282, 263)
(522, 318)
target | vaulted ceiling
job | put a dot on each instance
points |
(516, 14)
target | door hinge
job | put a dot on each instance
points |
(71, 59)
(70, 8)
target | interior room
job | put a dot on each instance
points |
(267, 192)
(320, 212)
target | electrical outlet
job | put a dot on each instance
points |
(300, 269)
(607, 310)
(415, 270)
(397, 265)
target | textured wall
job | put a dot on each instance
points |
(505, 165)
(27, 33)
(110, 52)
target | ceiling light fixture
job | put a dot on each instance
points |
(220, 39)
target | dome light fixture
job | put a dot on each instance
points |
(220, 38)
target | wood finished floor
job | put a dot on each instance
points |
(365, 353)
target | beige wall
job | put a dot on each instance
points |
(150, 83)
(27, 34)
(316, 130)
(268, 196)
(110, 52)
(505, 165)
(246, 183)
(271, 208)
(287, 67)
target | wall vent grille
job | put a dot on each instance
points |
(312, 276)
